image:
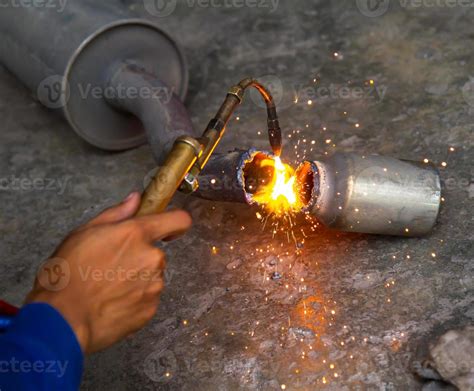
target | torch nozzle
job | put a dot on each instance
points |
(274, 132)
(216, 127)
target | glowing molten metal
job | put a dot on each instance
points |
(280, 195)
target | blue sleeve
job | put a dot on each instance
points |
(39, 351)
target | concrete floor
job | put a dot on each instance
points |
(373, 303)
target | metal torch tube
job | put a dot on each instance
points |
(375, 194)
(166, 181)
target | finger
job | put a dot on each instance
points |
(155, 260)
(166, 224)
(155, 288)
(118, 213)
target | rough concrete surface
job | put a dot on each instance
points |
(351, 311)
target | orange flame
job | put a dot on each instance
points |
(280, 195)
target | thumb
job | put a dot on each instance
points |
(126, 209)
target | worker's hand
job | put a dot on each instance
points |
(106, 277)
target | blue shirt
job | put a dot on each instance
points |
(39, 351)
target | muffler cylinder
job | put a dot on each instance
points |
(374, 194)
(66, 58)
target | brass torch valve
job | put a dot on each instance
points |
(189, 156)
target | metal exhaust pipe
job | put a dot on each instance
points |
(233, 177)
(372, 194)
(76, 59)
(348, 192)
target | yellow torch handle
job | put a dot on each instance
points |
(168, 178)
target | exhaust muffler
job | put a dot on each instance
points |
(373, 194)
(98, 65)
